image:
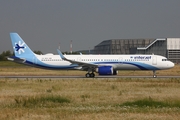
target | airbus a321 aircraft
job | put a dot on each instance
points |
(101, 64)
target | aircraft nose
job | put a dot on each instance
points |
(171, 64)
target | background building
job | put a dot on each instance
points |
(168, 47)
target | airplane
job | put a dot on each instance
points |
(101, 64)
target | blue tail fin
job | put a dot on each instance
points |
(20, 47)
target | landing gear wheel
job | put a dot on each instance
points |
(154, 74)
(90, 75)
(87, 75)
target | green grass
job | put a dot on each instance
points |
(151, 103)
(39, 101)
(88, 99)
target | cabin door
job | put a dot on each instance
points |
(154, 61)
(120, 60)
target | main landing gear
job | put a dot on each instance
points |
(90, 75)
(154, 74)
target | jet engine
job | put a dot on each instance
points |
(106, 70)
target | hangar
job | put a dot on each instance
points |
(168, 47)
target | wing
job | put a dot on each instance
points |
(85, 66)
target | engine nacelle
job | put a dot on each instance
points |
(106, 70)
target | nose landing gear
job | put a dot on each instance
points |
(154, 74)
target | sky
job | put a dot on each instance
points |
(44, 24)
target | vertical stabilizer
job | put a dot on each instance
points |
(20, 48)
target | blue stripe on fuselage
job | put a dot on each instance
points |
(140, 65)
(46, 66)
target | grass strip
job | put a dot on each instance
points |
(149, 102)
(40, 101)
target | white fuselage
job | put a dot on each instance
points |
(119, 62)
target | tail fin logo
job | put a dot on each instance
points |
(19, 47)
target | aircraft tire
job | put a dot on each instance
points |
(92, 75)
(87, 75)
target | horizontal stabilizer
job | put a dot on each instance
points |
(15, 59)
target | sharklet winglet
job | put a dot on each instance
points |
(61, 55)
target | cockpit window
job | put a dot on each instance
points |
(164, 60)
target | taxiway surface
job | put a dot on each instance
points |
(89, 78)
